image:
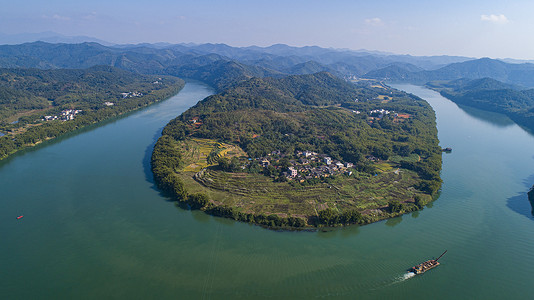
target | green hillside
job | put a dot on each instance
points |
(492, 95)
(37, 105)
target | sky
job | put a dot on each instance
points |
(474, 28)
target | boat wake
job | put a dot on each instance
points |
(400, 278)
(407, 276)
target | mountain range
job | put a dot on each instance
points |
(220, 64)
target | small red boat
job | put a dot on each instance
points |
(20, 217)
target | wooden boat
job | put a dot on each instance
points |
(425, 266)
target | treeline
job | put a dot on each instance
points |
(107, 85)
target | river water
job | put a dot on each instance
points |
(94, 225)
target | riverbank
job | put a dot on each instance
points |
(490, 95)
(31, 135)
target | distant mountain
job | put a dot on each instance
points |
(48, 36)
(520, 74)
(182, 59)
(356, 62)
(516, 61)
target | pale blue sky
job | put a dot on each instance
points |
(477, 28)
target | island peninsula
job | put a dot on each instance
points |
(302, 151)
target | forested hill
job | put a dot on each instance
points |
(271, 107)
(492, 95)
(37, 105)
(291, 93)
(220, 74)
(319, 113)
(27, 89)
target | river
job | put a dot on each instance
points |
(95, 226)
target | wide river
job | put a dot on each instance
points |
(95, 227)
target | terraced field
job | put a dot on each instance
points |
(256, 193)
(196, 151)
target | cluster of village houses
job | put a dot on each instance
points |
(70, 114)
(67, 114)
(131, 94)
(380, 113)
(301, 168)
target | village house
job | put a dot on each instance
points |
(265, 163)
(380, 112)
(293, 172)
(50, 118)
(304, 161)
(371, 158)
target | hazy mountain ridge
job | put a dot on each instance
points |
(198, 61)
(147, 58)
(520, 74)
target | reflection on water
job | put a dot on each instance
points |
(394, 221)
(415, 214)
(520, 203)
(343, 231)
(492, 118)
(200, 216)
(531, 199)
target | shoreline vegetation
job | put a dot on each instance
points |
(302, 152)
(40, 105)
(490, 95)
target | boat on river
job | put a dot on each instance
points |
(425, 266)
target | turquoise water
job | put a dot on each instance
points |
(94, 225)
